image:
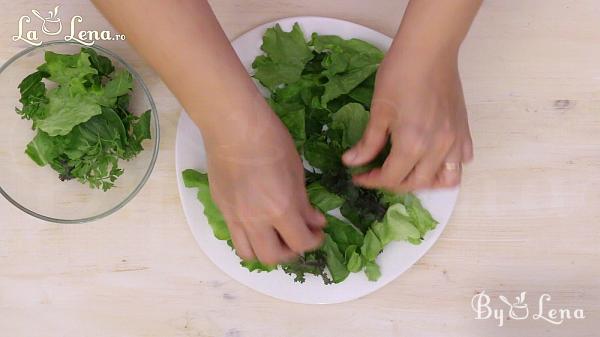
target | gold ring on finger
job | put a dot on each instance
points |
(450, 166)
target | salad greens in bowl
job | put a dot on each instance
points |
(79, 132)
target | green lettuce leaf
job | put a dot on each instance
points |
(372, 271)
(65, 69)
(351, 120)
(335, 260)
(120, 84)
(321, 155)
(396, 226)
(350, 47)
(363, 95)
(66, 110)
(321, 198)
(254, 265)
(102, 64)
(42, 149)
(141, 130)
(419, 215)
(33, 96)
(286, 56)
(343, 233)
(355, 261)
(347, 65)
(371, 246)
(340, 84)
(195, 179)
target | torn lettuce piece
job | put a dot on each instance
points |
(257, 266)
(286, 55)
(419, 215)
(351, 120)
(335, 260)
(65, 69)
(195, 179)
(396, 226)
(371, 246)
(372, 271)
(343, 233)
(321, 198)
(66, 110)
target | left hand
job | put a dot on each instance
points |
(418, 103)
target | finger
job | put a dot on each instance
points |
(450, 171)
(267, 245)
(467, 145)
(424, 174)
(314, 218)
(297, 235)
(403, 156)
(467, 148)
(368, 147)
(241, 243)
(467, 142)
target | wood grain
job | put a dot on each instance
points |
(527, 218)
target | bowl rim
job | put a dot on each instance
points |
(155, 125)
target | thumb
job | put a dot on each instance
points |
(368, 147)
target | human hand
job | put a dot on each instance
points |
(419, 103)
(257, 181)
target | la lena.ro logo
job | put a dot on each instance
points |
(51, 25)
(519, 309)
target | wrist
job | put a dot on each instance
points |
(424, 51)
(258, 138)
(240, 126)
(230, 116)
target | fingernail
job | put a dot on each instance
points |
(350, 156)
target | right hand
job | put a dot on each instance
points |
(419, 106)
(257, 181)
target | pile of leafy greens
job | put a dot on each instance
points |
(321, 90)
(83, 122)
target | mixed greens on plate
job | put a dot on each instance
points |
(321, 90)
(83, 121)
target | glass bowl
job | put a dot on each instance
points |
(37, 190)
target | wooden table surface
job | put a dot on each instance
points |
(527, 218)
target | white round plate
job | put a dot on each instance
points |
(396, 257)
